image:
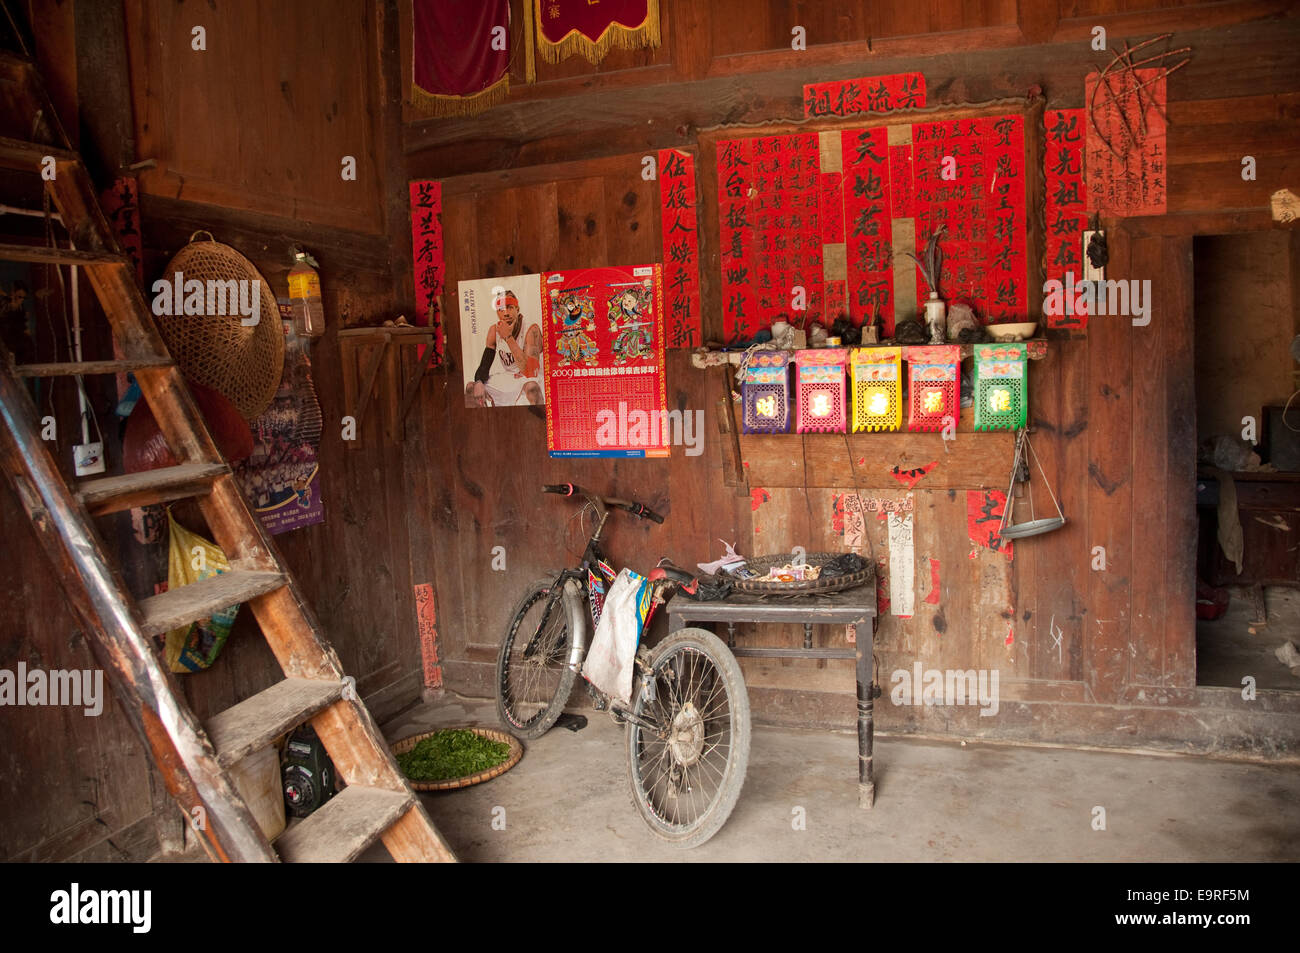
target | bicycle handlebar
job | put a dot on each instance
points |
(636, 509)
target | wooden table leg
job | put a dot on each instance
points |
(866, 728)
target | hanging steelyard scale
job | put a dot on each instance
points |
(1034, 526)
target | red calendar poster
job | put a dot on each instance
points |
(604, 353)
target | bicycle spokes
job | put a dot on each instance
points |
(684, 763)
(532, 674)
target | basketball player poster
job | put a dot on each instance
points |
(604, 350)
(501, 341)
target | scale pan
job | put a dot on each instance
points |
(1032, 528)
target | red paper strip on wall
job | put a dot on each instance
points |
(426, 621)
(870, 94)
(739, 304)
(1064, 210)
(1126, 171)
(121, 205)
(868, 227)
(680, 226)
(428, 257)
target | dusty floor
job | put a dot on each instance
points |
(569, 799)
(1227, 649)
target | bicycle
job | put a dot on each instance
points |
(688, 719)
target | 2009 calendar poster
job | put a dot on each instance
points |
(604, 351)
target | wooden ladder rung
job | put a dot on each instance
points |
(77, 368)
(43, 254)
(344, 827)
(116, 493)
(29, 156)
(256, 722)
(176, 607)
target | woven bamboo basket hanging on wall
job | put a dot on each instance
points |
(243, 363)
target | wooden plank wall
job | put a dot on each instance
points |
(1111, 407)
(85, 781)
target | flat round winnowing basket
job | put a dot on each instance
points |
(761, 564)
(243, 363)
(448, 784)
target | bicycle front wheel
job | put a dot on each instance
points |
(686, 775)
(533, 675)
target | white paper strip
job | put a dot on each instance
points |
(902, 565)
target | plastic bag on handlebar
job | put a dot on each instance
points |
(612, 655)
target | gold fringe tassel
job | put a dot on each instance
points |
(436, 104)
(615, 35)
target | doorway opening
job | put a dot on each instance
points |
(1247, 346)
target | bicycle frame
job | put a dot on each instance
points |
(582, 590)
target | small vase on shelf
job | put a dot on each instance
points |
(936, 318)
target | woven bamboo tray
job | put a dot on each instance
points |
(761, 564)
(448, 784)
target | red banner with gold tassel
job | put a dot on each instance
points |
(565, 27)
(460, 55)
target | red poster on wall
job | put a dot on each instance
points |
(604, 356)
(969, 177)
(1126, 171)
(1064, 210)
(427, 254)
(679, 224)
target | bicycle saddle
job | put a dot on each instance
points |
(666, 570)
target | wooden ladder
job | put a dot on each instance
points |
(194, 760)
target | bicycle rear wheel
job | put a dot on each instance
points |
(686, 777)
(533, 676)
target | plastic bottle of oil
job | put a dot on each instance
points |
(304, 297)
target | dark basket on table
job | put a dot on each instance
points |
(761, 564)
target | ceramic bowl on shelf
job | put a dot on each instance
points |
(1012, 332)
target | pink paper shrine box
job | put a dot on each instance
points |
(820, 390)
(765, 393)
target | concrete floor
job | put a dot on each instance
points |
(1233, 646)
(569, 800)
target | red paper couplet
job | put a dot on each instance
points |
(427, 252)
(870, 94)
(735, 224)
(1065, 215)
(604, 352)
(680, 226)
(1126, 143)
(867, 226)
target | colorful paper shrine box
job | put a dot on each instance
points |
(932, 386)
(766, 393)
(1001, 391)
(877, 388)
(819, 390)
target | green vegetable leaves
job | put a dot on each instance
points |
(454, 753)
